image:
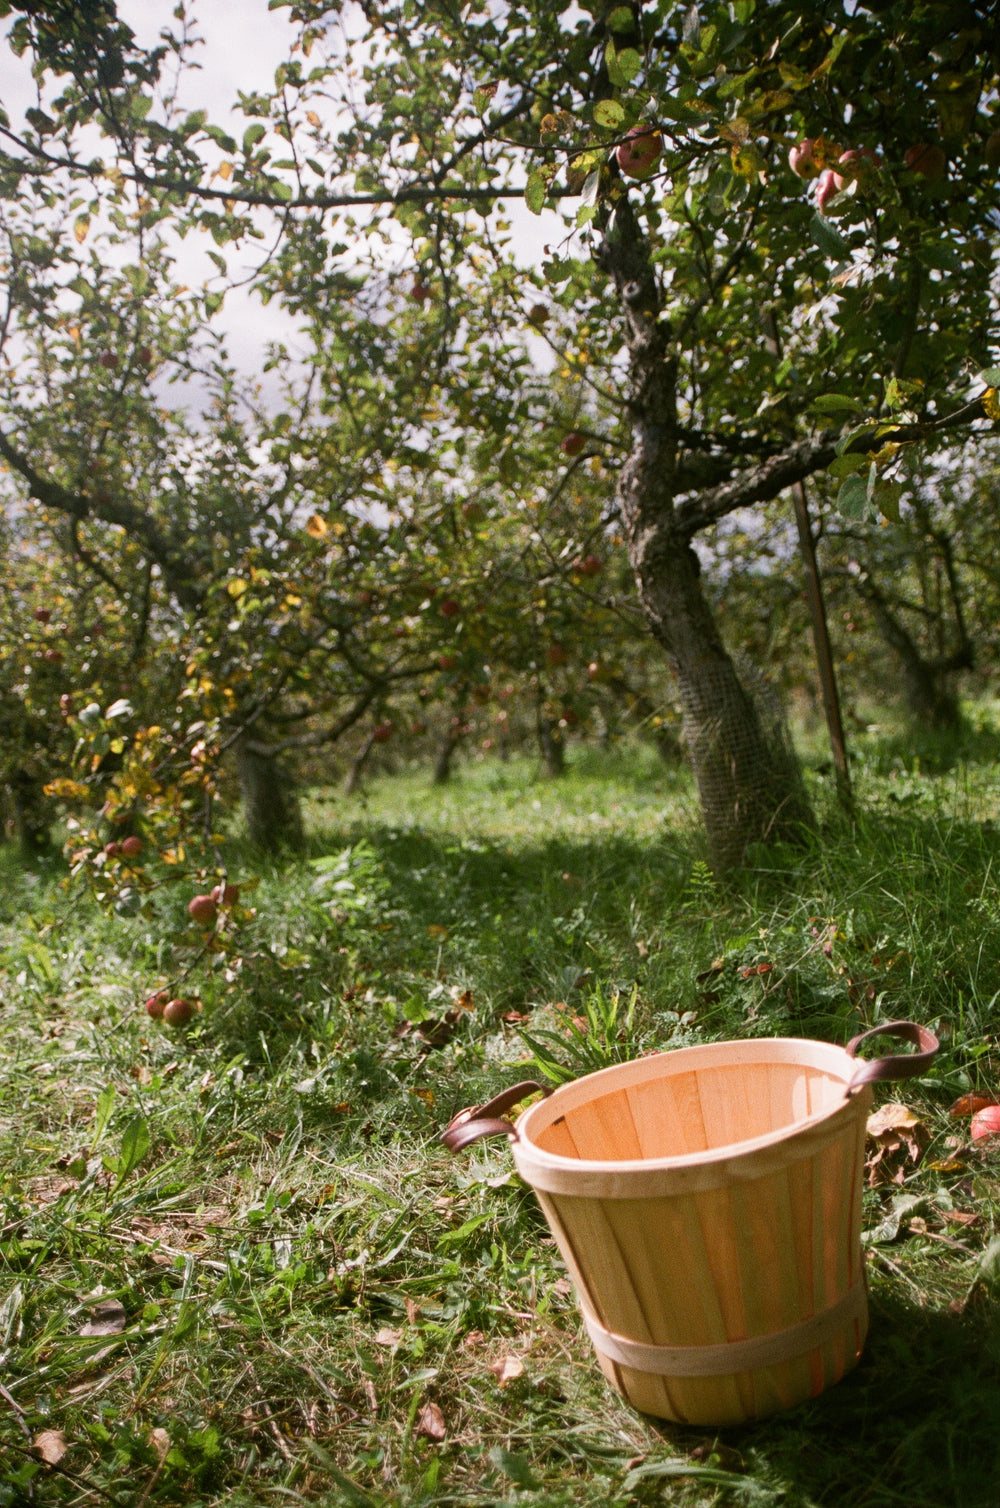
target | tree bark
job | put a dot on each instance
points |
(270, 803)
(747, 777)
(32, 815)
(929, 698)
(550, 741)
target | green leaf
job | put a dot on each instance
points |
(991, 377)
(621, 19)
(833, 403)
(867, 430)
(105, 1105)
(512, 1463)
(842, 466)
(852, 498)
(886, 496)
(829, 241)
(629, 64)
(252, 135)
(715, 1474)
(609, 114)
(452, 1237)
(535, 191)
(135, 1145)
(556, 271)
(615, 74)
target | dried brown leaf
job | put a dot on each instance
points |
(51, 1445)
(968, 1104)
(430, 1423)
(388, 1337)
(160, 1441)
(108, 1318)
(506, 1369)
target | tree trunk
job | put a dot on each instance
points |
(442, 764)
(270, 802)
(32, 815)
(352, 784)
(928, 696)
(748, 779)
(550, 741)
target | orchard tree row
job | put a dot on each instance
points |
(771, 262)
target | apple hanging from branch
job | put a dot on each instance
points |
(639, 153)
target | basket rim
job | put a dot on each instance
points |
(828, 1056)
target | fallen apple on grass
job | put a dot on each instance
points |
(986, 1122)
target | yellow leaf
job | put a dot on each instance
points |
(991, 403)
(436, 930)
(317, 527)
(313, 118)
(236, 587)
(225, 170)
(81, 226)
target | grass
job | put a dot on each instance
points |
(237, 1266)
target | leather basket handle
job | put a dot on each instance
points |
(896, 1065)
(486, 1120)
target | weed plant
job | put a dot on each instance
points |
(236, 1264)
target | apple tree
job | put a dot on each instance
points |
(777, 227)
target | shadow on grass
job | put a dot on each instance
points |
(916, 1423)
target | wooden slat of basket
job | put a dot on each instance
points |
(604, 1131)
(667, 1115)
(735, 1103)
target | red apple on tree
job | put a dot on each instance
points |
(639, 153)
(802, 159)
(828, 186)
(132, 847)
(178, 1012)
(202, 909)
(156, 1004)
(858, 161)
(225, 895)
(573, 443)
(382, 733)
(42, 615)
(449, 608)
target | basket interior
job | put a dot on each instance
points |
(678, 1114)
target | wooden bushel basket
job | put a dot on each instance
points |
(707, 1203)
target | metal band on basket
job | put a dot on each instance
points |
(732, 1356)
